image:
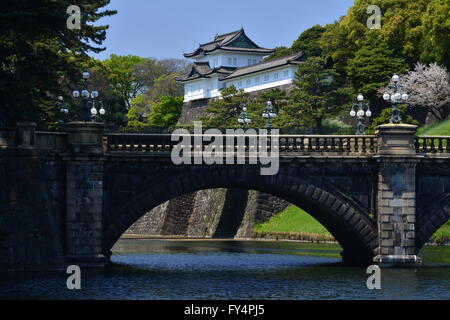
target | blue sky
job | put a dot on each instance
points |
(167, 29)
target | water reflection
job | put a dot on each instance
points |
(230, 246)
(160, 269)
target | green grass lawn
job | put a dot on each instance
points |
(437, 129)
(292, 219)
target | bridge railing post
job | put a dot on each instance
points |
(26, 135)
(85, 137)
(396, 196)
(84, 208)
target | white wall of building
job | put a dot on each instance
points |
(230, 59)
(202, 89)
(264, 80)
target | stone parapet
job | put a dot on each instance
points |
(85, 137)
(396, 139)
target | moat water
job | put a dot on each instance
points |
(219, 269)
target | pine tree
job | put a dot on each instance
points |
(37, 51)
(225, 112)
(317, 96)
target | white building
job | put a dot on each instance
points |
(234, 59)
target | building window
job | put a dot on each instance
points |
(249, 61)
(257, 80)
(248, 82)
(254, 61)
(240, 84)
(286, 73)
(234, 61)
(229, 61)
(275, 75)
(266, 77)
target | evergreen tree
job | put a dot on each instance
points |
(317, 96)
(373, 66)
(309, 42)
(225, 112)
(37, 51)
(280, 52)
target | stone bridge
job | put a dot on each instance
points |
(68, 197)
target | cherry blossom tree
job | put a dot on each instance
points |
(428, 87)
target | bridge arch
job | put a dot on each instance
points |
(434, 218)
(350, 225)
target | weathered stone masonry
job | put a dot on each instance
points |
(67, 197)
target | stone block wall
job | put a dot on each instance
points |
(207, 213)
(30, 212)
(151, 223)
(178, 214)
(396, 209)
(84, 222)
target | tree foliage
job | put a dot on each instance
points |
(166, 111)
(131, 75)
(373, 65)
(401, 30)
(224, 112)
(165, 85)
(309, 42)
(37, 51)
(280, 52)
(428, 87)
(436, 28)
(317, 96)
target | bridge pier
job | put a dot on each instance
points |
(396, 196)
(84, 211)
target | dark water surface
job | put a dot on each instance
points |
(213, 269)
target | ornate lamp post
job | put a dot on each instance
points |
(361, 114)
(94, 102)
(62, 108)
(86, 95)
(396, 99)
(244, 117)
(269, 114)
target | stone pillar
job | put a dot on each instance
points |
(396, 139)
(85, 137)
(84, 214)
(26, 135)
(396, 199)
